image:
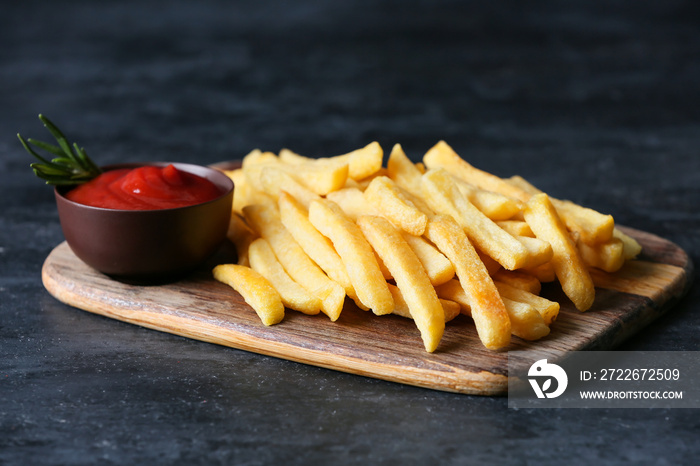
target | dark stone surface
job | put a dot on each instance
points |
(596, 101)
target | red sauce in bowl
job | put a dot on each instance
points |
(144, 188)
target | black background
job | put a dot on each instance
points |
(595, 101)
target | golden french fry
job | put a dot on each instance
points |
(516, 227)
(357, 254)
(572, 273)
(255, 289)
(521, 280)
(241, 236)
(539, 251)
(452, 290)
(320, 176)
(548, 309)
(487, 308)
(293, 295)
(631, 248)
(491, 265)
(404, 172)
(417, 201)
(591, 226)
(252, 169)
(289, 157)
(274, 180)
(364, 182)
(436, 265)
(410, 277)
(257, 157)
(544, 273)
(451, 309)
(265, 220)
(319, 248)
(443, 156)
(382, 267)
(494, 205)
(363, 162)
(443, 196)
(526, 322)
(608, 256)
(244, 193)
(353, 203)
(384, 197)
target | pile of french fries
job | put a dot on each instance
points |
(427, 241)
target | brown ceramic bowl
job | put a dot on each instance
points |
(148, 244)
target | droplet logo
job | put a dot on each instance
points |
(545, 372)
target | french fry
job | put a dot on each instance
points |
(608, 256)
(451, 309)
(544, 273)
(320, 176)
(404, 172)
(289, 157)
(265, 220)
(253, 165)
(363, 162)
(436, 265)
(417, 201)
(319, 248)
(241, 236)
(443, 156)
(257, 157)
(357, 254)
(244, 193)
(384, 197)
(364, 182)
(452, 290)
(410, 277)
(591, 226)
(548, 309)
(573, 276)
(526, 321)
(257, 292)
(487, 308)
(631, 248)
(352, 202)
(516, 227)
(443, 196)
(293, 295)
(275, 180)
(494, 205)
(539, 251)
(521, 280)
(491, 265)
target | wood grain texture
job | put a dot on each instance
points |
(387, 347)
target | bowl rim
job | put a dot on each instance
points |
(228, 189)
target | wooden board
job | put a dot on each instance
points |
(387, 347)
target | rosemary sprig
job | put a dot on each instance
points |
(70, 166)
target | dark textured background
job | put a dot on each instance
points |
(597, 101)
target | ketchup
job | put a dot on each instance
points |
(144, 188)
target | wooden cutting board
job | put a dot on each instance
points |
(387, 347)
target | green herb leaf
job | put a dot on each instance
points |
(69, 166)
